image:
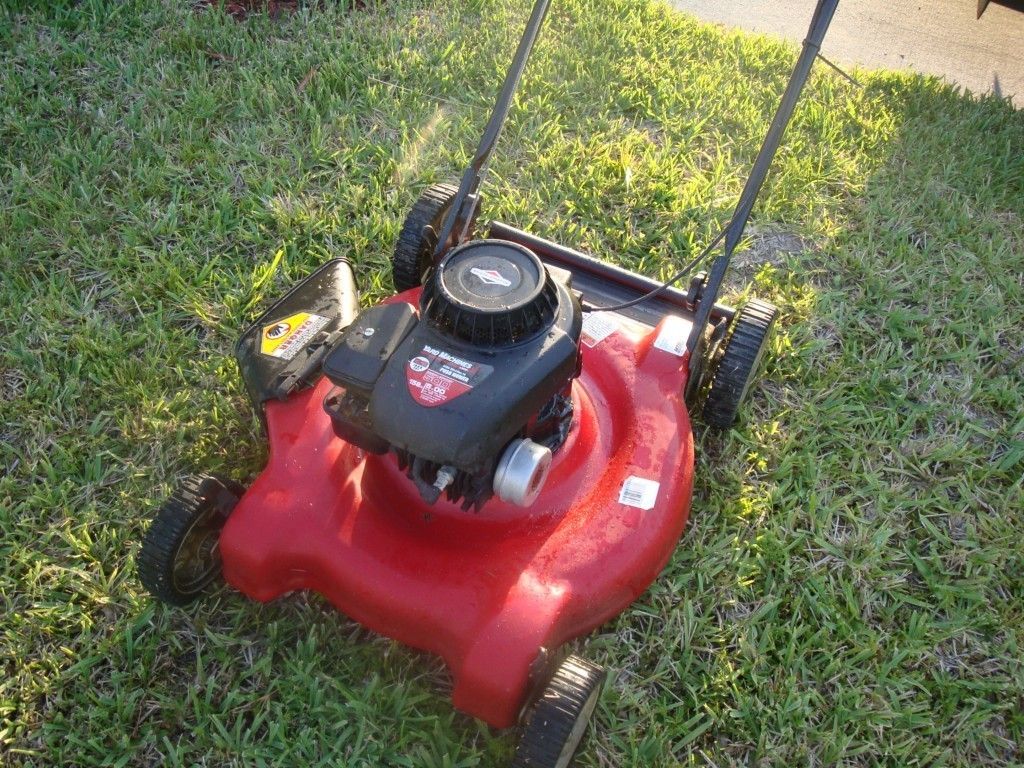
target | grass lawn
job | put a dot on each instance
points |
(851, 587)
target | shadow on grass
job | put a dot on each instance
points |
(865, 506)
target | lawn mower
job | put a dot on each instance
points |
(492, 462)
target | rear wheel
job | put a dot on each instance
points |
(558, 719)
(414, 250)
(739, 362)
(180, 555)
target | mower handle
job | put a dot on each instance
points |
(460, 215)
(463, 208)
(820, 22)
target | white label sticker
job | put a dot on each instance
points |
(598, 326)
(639, 492)
(672, 336)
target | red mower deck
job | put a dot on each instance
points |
(485, 591)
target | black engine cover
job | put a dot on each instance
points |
(458, 405)
(448, 394)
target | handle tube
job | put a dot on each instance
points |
(820, 22)
(466, 200)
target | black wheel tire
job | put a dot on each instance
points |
(179, 556)
(415, 246)
(739, 362)
(558, 719)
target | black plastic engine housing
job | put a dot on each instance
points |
(495, 344)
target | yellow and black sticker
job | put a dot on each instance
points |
(285, 337)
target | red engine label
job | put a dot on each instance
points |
(435, 376)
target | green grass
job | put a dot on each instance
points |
(850, 590)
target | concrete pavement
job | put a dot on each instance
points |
(938, 37)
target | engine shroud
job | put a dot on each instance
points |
(489, 359)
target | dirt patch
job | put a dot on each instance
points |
(12, 384)
(769, 247)
(766, 247)
(242, 9)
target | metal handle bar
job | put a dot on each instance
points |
(464, 206)
(734, 233)
(466, 200)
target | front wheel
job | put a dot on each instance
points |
(180, 555)
(558, 719)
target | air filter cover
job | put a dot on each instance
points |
(490, 293)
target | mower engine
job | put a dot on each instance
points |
(472, 391)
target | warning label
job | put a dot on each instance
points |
(284, 338)
(435, 376)
(672, 335)
(597, 327)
